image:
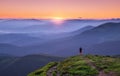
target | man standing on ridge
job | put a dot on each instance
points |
(80, 50)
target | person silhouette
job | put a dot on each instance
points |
(80, 50)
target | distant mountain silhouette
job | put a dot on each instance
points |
(21, 66)
(83, 29)
(10, 49)
(18, 39)
(103, 33)
(69, 45)
(46, 25)
(105, 48)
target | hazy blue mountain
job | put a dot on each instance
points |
(46, 26)
(70, 46)
(82, 30)
(69, 34)
(8, 42)
(21, 25)
(17, 50)
(5, 60)
(58, 45)
(70, 43)
(21, 66)
(18, 23)
(10, 49)
(105, 48)
(104, 32)
(19, 39)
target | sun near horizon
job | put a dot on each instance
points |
(57, 20)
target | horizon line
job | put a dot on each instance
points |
(63, 18)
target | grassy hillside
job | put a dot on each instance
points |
(43, 70)
(88, 65)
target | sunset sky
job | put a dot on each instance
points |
(59, 8)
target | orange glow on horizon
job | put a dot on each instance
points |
(57, 20)
(97, 9)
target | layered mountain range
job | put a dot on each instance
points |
(97, 39)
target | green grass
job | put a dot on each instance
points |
(43, 70)
(106, 63)
(54, 73)
(76, 66)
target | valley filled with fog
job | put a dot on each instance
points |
(22, 37)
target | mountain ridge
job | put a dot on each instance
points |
(21, 66)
